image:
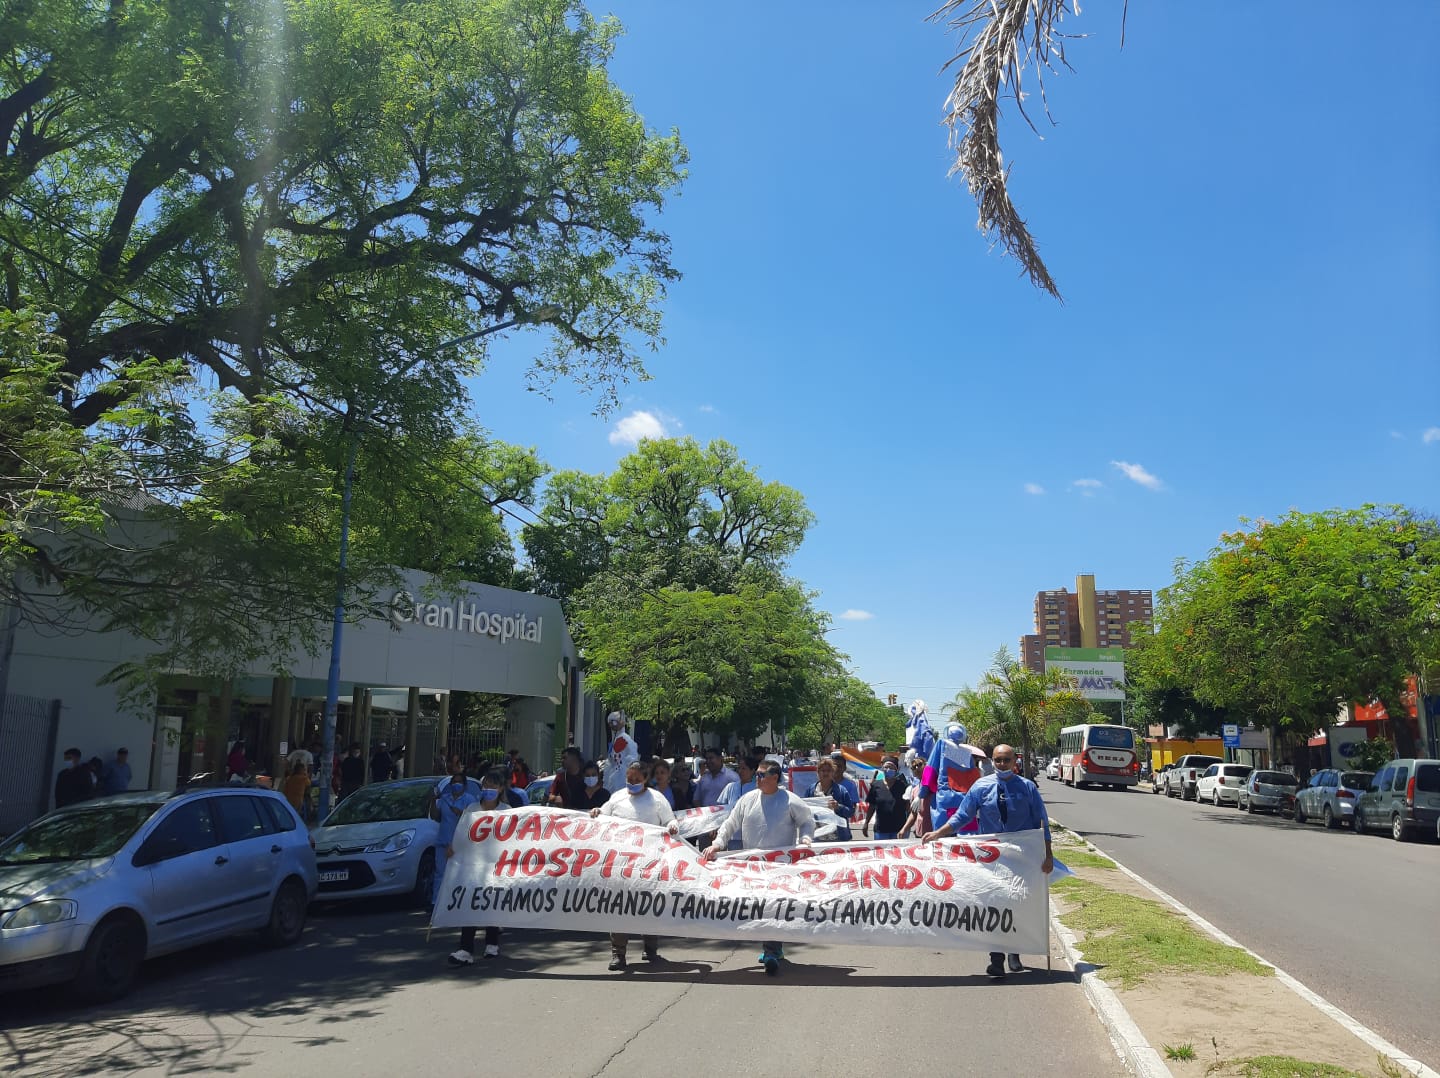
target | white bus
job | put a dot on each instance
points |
(1099, 754)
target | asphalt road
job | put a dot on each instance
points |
(365, 994)
(1352, 917)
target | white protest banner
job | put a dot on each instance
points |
(707, 820)
(537, 867)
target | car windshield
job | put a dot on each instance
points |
(1275, 778)
(1112, 737)
(376, 804)
(1357, 780)
(1427, 778)
(77, 835)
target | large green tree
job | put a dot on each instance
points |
(246, 232)
(1287, 620)
(1018, 706)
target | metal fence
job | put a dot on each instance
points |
(28, 728)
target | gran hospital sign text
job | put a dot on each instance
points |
(464, 617)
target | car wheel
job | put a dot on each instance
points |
(424, 879)
(287, 914)
(1215, 797)
(1328, 818)
(1358, 824)
(112, 959)
(1300, 816)
(1398, 831)
(1250, 806)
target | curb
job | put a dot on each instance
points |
(1130, 1044)
(1350, 1024)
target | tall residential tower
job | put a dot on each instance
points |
(1083, 618)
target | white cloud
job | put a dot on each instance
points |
(707, 407)
(1137, 473)
(1087, 487)
(1432, 434)
(637, 425)
(856, 615)
(1034, 488)
(1397, 435)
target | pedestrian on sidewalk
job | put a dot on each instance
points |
(1003, 802)
(115, 779)
(490, 799)
(297, 786)
(767, 818)
(73, 784)
(352, 771)
(636, 801)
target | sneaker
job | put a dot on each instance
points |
(996, 970)
(1016, 966)
(492, 950)
(617, 963)
(461, 957)
(772, 965)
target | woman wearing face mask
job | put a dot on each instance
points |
(838, 797)
(887, 806)
(595, 794)
(452, 798)
(492, 787)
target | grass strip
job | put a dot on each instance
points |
(1280, 1067)
(1079, 857)
(1129, 937)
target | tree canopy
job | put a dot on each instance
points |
(237, 238)
(1287, 620)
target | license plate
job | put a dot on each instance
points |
(340, 875)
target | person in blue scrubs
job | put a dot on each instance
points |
(452, 798)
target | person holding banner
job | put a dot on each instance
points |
(452, 798)
(637, 802)
(767, 818)
(491, 786)
(1002, 802)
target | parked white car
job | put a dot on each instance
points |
(379, 841)
(1221, 783)
(1052, 770)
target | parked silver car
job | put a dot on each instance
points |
(90, 891)
(1330, 796)
(1272, 790)
(380, 841)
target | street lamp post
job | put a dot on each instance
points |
(547, 313)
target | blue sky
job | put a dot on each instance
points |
(1242, 215)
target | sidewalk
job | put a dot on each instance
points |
(1180, 997)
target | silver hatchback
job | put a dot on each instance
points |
(1330, 796)
(90, 891)
(1271, 790)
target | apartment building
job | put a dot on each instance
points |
(1084, 618)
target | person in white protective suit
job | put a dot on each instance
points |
(623, 752)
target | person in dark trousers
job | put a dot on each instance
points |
(888, 808)
(73, 784)
(382, 764)
(1003, 802)
(491, 799)
(352, 772)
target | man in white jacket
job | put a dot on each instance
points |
(636, 801)
(766, 818)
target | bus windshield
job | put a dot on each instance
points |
(1112, 737)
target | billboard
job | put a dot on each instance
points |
(1095, 673)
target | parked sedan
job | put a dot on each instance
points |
(90, 891)
(1221, 783)
(1271, 790)
(380, 841)
(1330, 796)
